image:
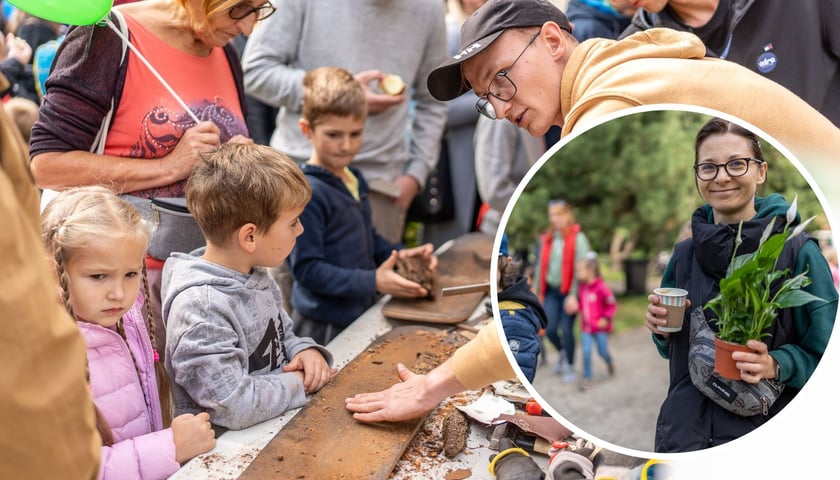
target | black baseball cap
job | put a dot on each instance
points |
(481, 29)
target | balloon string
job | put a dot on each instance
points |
(152, 69)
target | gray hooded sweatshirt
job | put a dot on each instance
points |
(227, 339)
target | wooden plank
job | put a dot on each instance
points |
(324, 442)
(466, 262)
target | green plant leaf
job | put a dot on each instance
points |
(771, 248)
(744, 306)
(739, 262)
(796, 298)
(774, 275)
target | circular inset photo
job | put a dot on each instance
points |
(686, 275)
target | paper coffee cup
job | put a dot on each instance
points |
(673, 299)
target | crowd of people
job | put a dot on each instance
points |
(156, 103)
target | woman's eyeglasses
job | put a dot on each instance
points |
(736, 167)
(243, 10)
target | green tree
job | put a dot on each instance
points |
(633, 177)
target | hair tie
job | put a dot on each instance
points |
(155, 355)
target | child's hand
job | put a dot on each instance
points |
(390, 282)
(603, 323)
(192, 435)
(316, 371)
(426, 252)
(570, 305)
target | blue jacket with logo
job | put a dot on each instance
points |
(522, 317)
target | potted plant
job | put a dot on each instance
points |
(747, 303)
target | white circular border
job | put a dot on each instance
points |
(796, 443)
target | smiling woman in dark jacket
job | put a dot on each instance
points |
(688, 419)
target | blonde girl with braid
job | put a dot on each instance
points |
(97, 243)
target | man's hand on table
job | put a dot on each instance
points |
(414, 397)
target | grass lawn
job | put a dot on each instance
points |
(630, 312)
(631, 308)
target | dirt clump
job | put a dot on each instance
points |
(456, 428)
(414, 269)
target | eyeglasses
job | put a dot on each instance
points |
(736, 167)
(501, 87)
(243, 10)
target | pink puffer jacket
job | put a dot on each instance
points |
(130, 404)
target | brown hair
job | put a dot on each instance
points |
(68, 223)
(238, 184)
(509, 271)
(719, 126)
(332, 91)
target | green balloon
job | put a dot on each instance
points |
(75, 12)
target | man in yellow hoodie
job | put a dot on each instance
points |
(45, 408)
(520, 58)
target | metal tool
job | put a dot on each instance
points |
(459, 290)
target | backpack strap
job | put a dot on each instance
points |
(98, 145)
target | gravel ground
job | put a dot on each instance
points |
(620, 409)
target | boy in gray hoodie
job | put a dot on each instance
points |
(230, 348)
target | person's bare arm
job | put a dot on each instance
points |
(62, 170)
(414, 397)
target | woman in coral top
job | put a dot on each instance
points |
(188, 44)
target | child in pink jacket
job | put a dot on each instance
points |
(98, 243)
(597, 308)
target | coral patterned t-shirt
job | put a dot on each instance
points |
(149, 122)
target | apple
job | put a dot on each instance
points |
(392, 84)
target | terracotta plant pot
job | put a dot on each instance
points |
(724, 365)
